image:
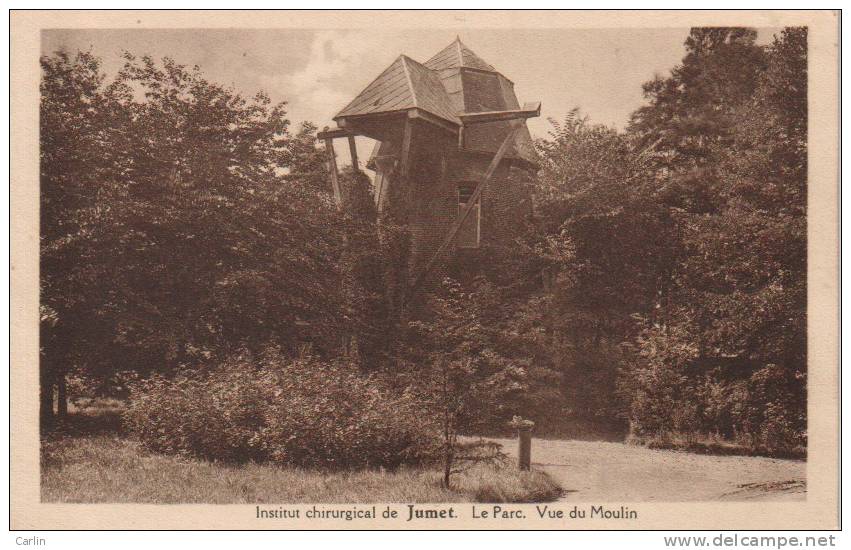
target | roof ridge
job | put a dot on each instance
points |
(476, 57)
(405, 59)
(458, 45)
(415, 62)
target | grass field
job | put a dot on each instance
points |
(93, 464)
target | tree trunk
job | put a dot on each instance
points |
(45, 400)
(447, 469)
(62, 395)
(447, 451)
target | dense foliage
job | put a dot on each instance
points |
(174, 227)
(679, 249)
(302, 412)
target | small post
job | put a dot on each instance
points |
(524, 439)
(525, 454)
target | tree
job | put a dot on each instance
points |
(466, 383)
(75, 135)
(691, 111)
(673, 256)
(732, 118)
(171, 231)
(304, 161)
(604, 245)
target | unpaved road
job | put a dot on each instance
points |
(601, 471)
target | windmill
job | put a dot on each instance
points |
(450, 137)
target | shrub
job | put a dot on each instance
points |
(302, 412)
(777, 410)
(762, 414)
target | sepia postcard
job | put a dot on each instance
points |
(431, 270)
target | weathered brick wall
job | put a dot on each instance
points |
(505, 203)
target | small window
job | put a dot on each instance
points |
(469, 232)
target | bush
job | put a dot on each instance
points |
(668, 405)
(777, 410)
(300, 412)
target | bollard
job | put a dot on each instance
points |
(525, 460)
(524, 438)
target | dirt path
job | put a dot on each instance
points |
(601, 471)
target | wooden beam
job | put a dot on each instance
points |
(370, 163)
(332, 172)
(348, 121)
(405, 162)
(384, 170)
(453, 231)
(357, 121)
(395, 177)
(379, 189)
(334, 133)
(353, 151)
(529, 110)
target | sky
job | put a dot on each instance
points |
(319, 71)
